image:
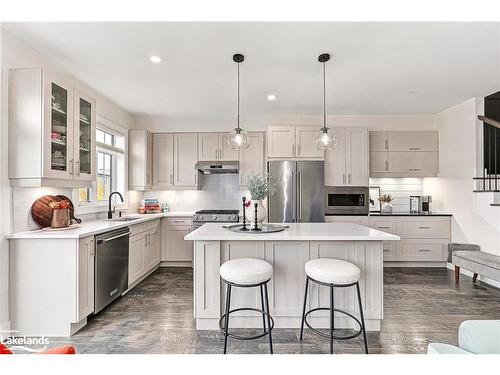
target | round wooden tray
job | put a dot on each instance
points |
(263, 229)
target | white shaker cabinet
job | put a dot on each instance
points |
(86, 256)
(137, 243)
(140, 163)
(281, 141)
(404, 153)
(292, 142)
(252, 159)
(215, 147)
(346, 164)
(185, 158)
(174, 249)
(144, 250)
(304, 139)
(51, 121)
(163, 160)
(152, 246)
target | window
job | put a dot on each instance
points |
(110, 171)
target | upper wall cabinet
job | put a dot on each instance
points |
(174, 158)
(50, 121)
(140, 165)
(163, 160)
(292, 142)
(252, 159)
(346, 164)
(185, 158)
(404, 153)
(215, 147)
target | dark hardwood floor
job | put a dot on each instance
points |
(422, 305)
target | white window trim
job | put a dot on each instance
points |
(94, 207)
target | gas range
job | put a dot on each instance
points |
(215, 216)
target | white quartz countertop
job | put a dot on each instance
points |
(93, 227)
(295, 232)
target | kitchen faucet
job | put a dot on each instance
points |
(110, 213)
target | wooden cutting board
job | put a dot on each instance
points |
(41, 212)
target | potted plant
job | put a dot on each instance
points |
(260, 187)
(386, 200)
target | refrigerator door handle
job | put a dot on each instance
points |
(300, 193)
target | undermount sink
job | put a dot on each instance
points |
(125, 219)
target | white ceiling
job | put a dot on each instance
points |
(377, 68)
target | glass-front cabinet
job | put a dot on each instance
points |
(84, 137)
(51, 120)
(60, 123)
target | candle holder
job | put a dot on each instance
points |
(256, 222)
(244, 228)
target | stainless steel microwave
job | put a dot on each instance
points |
(347, 200)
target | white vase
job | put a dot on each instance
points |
(387, 207)
(261, 212)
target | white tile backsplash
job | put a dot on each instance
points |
(400, 189)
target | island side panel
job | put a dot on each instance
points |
(207, 258)
(367, 255)
(241, 297)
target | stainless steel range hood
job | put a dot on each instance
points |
(212, 167)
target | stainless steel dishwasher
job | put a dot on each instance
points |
(111, 266)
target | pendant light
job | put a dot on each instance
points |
(238, 138)
(324, 139)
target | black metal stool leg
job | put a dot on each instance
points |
(304, 309)
(226, 324)
(263, 308)
(332, 311)
(362, 317)
(268, 318)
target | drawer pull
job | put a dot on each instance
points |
(423, 250)
(384, 227)
(414, 148)
(386, 250)
(414, 169)
(424, 227)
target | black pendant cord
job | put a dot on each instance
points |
(324, 95)
(238, 96)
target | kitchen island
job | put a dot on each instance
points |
(288, 251)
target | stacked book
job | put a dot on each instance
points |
(152, 206)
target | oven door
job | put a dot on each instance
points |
(347, 200)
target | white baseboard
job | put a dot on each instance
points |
(483, 279)
(166, 263)
(415, 264)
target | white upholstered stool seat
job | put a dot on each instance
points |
(332, 271)
(246, 271)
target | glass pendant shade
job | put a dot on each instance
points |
(324, 139)
(238, 139)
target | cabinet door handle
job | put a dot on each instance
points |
(293, 150)
(343, 178)
(414, 148)
(386, 144)
(196, 178)
(298, 150)
(78, 167)
(72, 168)
(349, 179)
(171, 178)
(414, 169)
(384, 227)
(424, 250)
(386, 250)
(387, 165)
(424, 227)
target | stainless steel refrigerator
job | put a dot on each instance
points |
(301, 193)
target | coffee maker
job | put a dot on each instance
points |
(420, 204)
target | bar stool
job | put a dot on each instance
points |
(247, 273)
(333, 273)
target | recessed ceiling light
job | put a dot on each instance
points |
(271, 97)
(155, 59)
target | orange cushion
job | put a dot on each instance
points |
(4, 349)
